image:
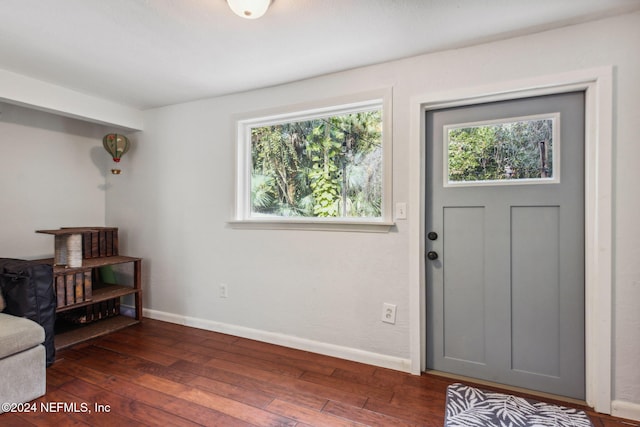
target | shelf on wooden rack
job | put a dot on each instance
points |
(79, 333)
(91, 263)
(102, 292)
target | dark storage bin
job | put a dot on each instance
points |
(27, 287)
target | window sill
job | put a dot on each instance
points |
(311, 225)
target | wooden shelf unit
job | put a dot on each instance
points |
(100, 292)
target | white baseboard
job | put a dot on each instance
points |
(327, 349)
(628, 410)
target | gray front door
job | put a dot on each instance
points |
(505, 274)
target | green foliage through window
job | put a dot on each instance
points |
(503, 151)
(320, 167)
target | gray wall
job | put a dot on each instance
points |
(52, 175)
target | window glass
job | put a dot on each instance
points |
(327, 166)
(520, 150)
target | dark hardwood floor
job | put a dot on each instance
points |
(158, 373)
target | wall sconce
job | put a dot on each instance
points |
(116, 145)
(250, 9)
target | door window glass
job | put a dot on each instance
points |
(522, 150)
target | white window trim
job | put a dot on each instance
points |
(242, 124)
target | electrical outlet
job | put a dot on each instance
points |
(389, 313)
(224, 291)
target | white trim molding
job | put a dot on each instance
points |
(374, 100)
(598, 87)
(347, 353)
(628, 410)
(43, 96)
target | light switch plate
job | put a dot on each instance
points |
(401, 210)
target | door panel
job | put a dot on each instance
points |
(535, 283)
(505, 297)
(464, 280)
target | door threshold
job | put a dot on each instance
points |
(505, 387)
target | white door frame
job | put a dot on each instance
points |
(598, 86)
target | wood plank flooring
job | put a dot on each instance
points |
(157, 373)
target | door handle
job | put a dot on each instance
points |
(432, 255)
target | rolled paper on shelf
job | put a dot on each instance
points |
(74, 250)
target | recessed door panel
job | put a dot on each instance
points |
(464, 338)
(535, 283)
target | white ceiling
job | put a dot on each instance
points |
(150, 53)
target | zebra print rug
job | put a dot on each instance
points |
(471, 407)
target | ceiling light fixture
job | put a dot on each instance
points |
(250, 9)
